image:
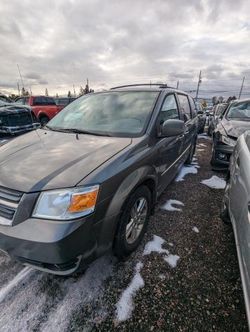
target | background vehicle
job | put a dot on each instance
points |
(201, 118)
(15, 119)
(234, 122)
(43, 107)
(5, 99)
(215, 117)
(108, 157)
(61, 102)
(236, 208)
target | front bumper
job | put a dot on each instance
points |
(222, 154)
(54, 247)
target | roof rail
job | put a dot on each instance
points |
(160, 85)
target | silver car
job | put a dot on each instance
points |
(236, 209)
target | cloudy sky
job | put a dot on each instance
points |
(58, 44)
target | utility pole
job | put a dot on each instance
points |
(18, 88)
(198, 86)
(74, 90)
(20, 75)
(241, 88)
(177, 86)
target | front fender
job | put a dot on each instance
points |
(128, 185)
(107, 229)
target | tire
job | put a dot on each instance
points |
(44, 120)
(127, 239)
(191, 154)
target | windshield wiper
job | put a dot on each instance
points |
(76, 131)
(79, 131)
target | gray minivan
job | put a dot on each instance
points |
(88, 181)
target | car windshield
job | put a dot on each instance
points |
(239, 111)
(112, 113)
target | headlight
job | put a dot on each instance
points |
(227, 140)
(66, 204)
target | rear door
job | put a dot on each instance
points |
(190, 120)
(168, 148)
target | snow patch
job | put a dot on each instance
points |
(155, 245)
(195, 229)
(215, 182)
(125, 305)
(186, 170)
(14, 282)
(80, 293)
(200, 150)
(172, 260)
(170, 244)
(169, 205)
(202, 145)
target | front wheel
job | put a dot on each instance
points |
(133, 222)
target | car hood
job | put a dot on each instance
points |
(42, 160)
(235, 128)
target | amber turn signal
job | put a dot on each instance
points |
(83, 201)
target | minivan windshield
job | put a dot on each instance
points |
(239, 111)
(116, 113)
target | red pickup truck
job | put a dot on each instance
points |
(43, 107)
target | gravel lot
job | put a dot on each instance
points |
(202, 293)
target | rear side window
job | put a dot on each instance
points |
(193, 107)
(44, 101)
(185, 107)
(169, 109)
(20, 101)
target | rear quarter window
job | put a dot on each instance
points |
(185, 107)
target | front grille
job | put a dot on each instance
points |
(16, 119)
(9, 200)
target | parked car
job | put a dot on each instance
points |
(88, 181)
(16, 119)
(236, 209)
(5, 99)
(234, 122)
(43, 107)
(201, 118)
(215, 117)
(61, 102)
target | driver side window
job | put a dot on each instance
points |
(169, 109)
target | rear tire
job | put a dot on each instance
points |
(191, 154)
(133, 222)
(44, 120)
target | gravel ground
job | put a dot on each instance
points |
(202, 293)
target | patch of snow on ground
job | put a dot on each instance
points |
(125, 305)
(170, 244)
(14, 282)
(84, 291)
(155, 246)
(195, 229)
(215, 182)
(186, 170)
(169, 205)
(172, 260)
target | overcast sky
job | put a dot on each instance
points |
(61, 43)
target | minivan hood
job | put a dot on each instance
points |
(235, 128)
(42, 160)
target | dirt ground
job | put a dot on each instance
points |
(202, 293)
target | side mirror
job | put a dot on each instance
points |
(171, 128)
